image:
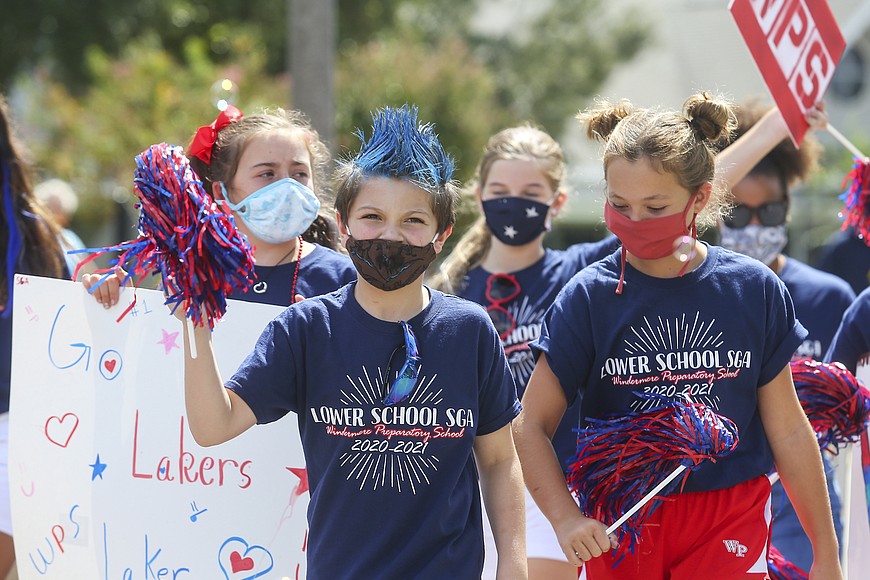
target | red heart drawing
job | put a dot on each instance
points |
(240, 564)
(61, 428)
(110, 365)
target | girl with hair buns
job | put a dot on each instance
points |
(758, 227)
(667, 314)
(266, 168)
(502, 264)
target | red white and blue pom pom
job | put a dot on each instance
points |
(184, 236)
(836, 404)
(857, 199)
(779, 568)
(620, 458)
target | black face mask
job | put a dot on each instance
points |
(516, 221)
(389, 265)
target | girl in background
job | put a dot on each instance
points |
(851, 343)
(266, 169)
(757, 226)
(502, 264)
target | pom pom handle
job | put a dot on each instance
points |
(673, 475)
(845, 142)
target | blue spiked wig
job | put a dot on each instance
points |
(400, 147)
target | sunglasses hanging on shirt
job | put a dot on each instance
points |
(501, 289)
(406, 378)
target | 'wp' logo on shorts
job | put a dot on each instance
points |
(735, 547)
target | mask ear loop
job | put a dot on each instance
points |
(226, 200)
(692, 253)
(551, 213)
(621, 282)
(693, 232)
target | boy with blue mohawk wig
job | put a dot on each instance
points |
(403, 394)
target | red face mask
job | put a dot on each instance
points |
(653, 238)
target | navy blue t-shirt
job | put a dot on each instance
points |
(717, 333)
(819, 302)
(851, 343)
(320, 272)
(539, 285)
(394, 489)
(847, 256)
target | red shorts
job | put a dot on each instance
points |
(720, 534)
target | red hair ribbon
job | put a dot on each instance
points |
(205, 137)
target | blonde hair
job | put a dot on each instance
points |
(683, 144)
(523, 143)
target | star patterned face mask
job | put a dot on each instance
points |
(516, 221)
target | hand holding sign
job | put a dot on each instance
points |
(796, 44)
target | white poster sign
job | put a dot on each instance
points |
(106, 481)
(856, 559)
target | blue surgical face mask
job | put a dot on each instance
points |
(278, 212)
(764, 243)
(516, 221)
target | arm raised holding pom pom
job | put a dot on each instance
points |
(215, 414)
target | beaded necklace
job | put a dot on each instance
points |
(262, 286)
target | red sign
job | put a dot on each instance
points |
(796, 45)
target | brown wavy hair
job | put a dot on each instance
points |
(40, 252)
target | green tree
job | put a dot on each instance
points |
(460, 101)
(56, 33)
(148, 67)
(145, 97)
(550, 70)
(543, 69)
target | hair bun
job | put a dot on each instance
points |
(711, 117)
(602, 119)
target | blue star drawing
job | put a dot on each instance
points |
(531, 212)
(99, 467)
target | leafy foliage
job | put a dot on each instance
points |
(145, 97)
(547, 73)
(57, 32)
(116, 76)
(460, 101)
